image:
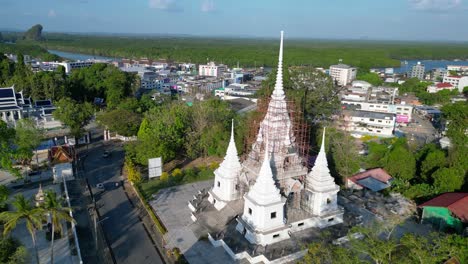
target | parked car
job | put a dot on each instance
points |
(100, 186)
(106, 154)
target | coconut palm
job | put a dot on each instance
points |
(53, 206)
(24, 210)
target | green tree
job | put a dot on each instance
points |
(373, 245)
(344, 153)
(370, 77)
(28, 138)
(376, 155)
(419, 249)
(24, 211)
(7, 152)
(314, 92)
(122, 121)
(53, 206)
(457, 116)
(4, 194)
(433, 161)
(400, 162)
(20, 256)
(11, 251)
(448, 179)
(162, 133)
(74, 115)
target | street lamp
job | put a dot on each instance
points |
(96, 222)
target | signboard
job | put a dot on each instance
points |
(402, 119)
(154, 167)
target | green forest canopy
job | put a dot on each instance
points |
(259, 52)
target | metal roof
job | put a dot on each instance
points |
(457, 203)
(373, 184)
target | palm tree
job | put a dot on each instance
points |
(53, 206)
(24, 210)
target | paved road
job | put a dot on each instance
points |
(125, 232)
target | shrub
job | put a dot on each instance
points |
(164, 176)
(214, 165)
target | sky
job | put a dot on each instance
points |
(441, 20)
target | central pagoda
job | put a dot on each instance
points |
(287, 164)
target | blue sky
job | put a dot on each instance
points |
(344, 19)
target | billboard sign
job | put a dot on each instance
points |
(154, 167)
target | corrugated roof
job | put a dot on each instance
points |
(457, 203)
(444, 85)
(378, 174)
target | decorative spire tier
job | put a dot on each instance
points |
(319, 178)
(321, 190)
(231, 166)
(264, 191)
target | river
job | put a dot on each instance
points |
(79, 56)
(428, 64)
(405, 65)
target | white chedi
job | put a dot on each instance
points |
(225, 187)
(263, 204)
(321, 189)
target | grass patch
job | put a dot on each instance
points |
(177, 177)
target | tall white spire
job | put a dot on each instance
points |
(319, 178)
(230, 167)
(279, 92)
(264, 191)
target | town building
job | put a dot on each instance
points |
(10, 109)
(434, 88)
(367, 123)
(417, 71)
(373, 179)
(403, 112)
(211, 69)
(458, 82)
(446, 211)
(342, 74)
(457, 68)
(69, 66)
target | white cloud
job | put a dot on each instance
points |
(168, 5)
(435, 5)
(208, 6)
(51, 13)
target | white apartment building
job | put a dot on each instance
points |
(211, 69)
(439, 87)
(403, 112)
(69, 66)
(458, 82)
(418, 71)
(368, 123)
(458, 68)
(343, 74)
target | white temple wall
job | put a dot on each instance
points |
(260, 217)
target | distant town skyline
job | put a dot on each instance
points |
(431, 20)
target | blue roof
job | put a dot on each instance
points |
(373, 184)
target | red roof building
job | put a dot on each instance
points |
(439, 87)
(374, 179)
(61, 154)
(457, 203)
